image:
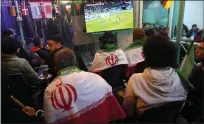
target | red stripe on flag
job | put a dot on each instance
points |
(97, 113)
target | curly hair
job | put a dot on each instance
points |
(160, 52)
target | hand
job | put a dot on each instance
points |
(29, 111)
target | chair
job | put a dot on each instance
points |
(114, 76)
(166, 113)
(21, 89)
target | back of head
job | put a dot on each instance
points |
(37, 42)
(56, 38)
(194, 25)
(64, 58)
(149, 32)
(9, 45)
(160, 52)
(164, 31)
(108, 38)
(7, 33)
(138, 34)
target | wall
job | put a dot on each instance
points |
(193, 13)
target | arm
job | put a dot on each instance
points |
(129, 103)
(32, 112)
(30, 74)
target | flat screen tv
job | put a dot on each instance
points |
(108, 16)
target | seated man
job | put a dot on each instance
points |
(159, 83)
(198, 37)
(109, 55)
(22, 52)
(110, 59)
(13, 64)
(164, 31)
(55, 43)
(43, 53)
(78, 97)
(134, 51)
(197, 79)
(193, 31)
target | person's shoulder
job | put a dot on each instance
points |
(21, 60)
(135, 77)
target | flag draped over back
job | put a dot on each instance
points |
(76, 98)
(104, 60)
(167, 3)
(134, 56)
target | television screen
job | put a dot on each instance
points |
(109, 16)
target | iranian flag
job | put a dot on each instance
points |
(80, 98)
(107, 59)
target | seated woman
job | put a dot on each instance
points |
(159, 83)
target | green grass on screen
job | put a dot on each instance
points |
(122, 20)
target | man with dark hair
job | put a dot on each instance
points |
(43, 53)
(150, 32)
(55, 43)
(22, 53)
(185, 30)
(79, 97)
(164, 31)
(8, 33)
(193, 31)
(196, 96)
(14, 64)
(159, 83)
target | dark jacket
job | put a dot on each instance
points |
(185, 28)
(190, 33)
(44, 54)
(191, 112)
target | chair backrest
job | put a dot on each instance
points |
(20, 88)
(115, 75)
(166, 113)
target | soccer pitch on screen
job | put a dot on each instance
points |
(117, 21)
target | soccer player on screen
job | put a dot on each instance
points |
(123, 5)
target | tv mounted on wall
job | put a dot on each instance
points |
(108, 16)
